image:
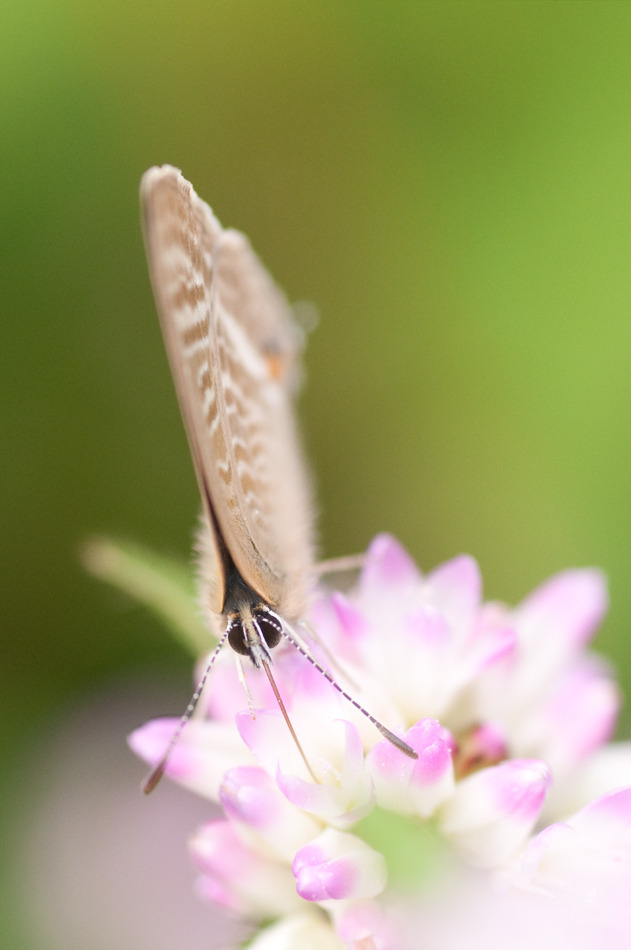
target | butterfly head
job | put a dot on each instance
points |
(254, 630)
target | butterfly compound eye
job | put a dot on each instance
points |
(237, 638)
(270, 628)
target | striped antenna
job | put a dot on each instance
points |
(158, 771)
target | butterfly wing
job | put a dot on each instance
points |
(234, 354)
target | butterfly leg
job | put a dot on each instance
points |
(331, 658)
(335, 566)
(244, 682)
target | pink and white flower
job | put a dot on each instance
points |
(509, 715)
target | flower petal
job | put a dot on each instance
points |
(251, 797)
(456, 589)
(608, 768)
(238, 876)
(580, 715)
(409, 786)
(310, 931)
(388, 570)
(571, 606)
(338, 866)
(586, 863)
(493, 811)
(345, 794)
(200, 758)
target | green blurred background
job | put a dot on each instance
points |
(449, 182)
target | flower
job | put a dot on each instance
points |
(508, 714)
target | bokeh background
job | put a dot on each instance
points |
(450, 184)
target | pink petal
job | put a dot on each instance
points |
(388, 568)
(412, 786)
(608, 816)
(240, 876)
(361, 924)
(200, 758)
(497, 646)
(456, 589)
(218, 849)
(587, 863)
(424, 628)
(268, 738)
(345, 794)
(494, 810)
(570, 606)
(319, 879)
(582, 712)
(251, 797)
(606, 769)
(352, 621)
(338, 866)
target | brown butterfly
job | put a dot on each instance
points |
(234, 351)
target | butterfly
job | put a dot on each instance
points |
(235, 355)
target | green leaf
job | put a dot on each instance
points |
(163, 584)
